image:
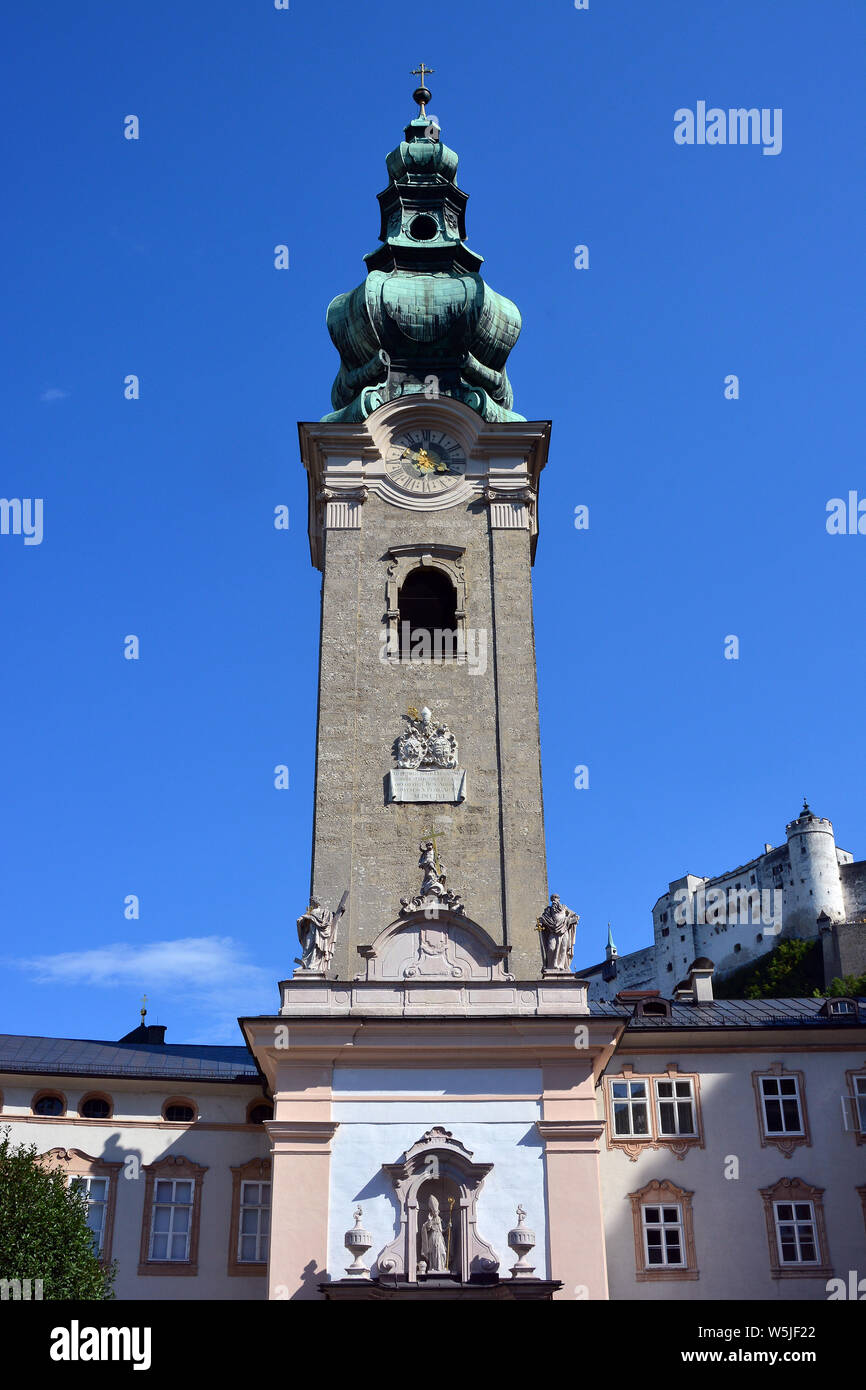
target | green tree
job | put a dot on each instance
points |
(43, 1228)
(787, 972)
(848, 987)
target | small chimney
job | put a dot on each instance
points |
(701, 980)
(146, 1033)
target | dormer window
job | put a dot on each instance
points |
(840, 1008)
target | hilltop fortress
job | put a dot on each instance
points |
(807, 888)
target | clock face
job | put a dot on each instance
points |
(424, 460)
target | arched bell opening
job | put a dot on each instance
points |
(427, 616)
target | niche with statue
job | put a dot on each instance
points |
(437, 1186)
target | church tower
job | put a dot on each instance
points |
(423, 490)
(434, 1059)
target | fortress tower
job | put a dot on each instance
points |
(815, 883)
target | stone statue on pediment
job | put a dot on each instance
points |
(317, 933)
(434, 896)
(557, 926)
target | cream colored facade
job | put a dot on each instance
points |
(530, 1096)
(733, 1163)
(122, 1150)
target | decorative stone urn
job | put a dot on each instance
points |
(358, 1242)
(521, 1240)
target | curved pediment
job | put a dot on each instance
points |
(448, 946)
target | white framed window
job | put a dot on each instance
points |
(860, 1103)
(255, 1222)
(796, 1233)
(171, 1220)
(675, 1107)
(663, 1236)
(780, 1104)
(96, 1191)
(630, 1107)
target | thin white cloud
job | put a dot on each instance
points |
(209, 973)
(54, 393)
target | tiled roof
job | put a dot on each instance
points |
(737, 1013)
(83, 1057)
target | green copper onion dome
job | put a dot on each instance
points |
(423, 321)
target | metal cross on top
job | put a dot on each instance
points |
(422, 93)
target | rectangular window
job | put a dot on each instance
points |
(675, 1108)
(796, 1233)
(630, 1108)
(860, 1102)
(96, 1192)
(780, 1096)
(663, 1236)
(255, 1222)
(171, 1222)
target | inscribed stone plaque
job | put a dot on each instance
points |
(426, 784)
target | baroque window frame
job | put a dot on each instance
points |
(633, 1145)
(661, 1192)
(796, 1190)
(856, 1099)
(401, 561)
(254, 1170)
(75, 1163)
(786, 1143)
(177, 1167)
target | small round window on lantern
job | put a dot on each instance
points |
(423, 228)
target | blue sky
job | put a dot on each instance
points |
(707, 516)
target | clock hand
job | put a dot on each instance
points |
(420, 457)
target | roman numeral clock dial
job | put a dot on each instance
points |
(424, 461)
